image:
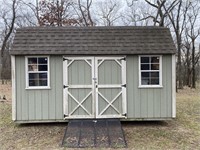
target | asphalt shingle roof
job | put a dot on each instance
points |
(93, 40)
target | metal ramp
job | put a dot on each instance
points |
(94, 133)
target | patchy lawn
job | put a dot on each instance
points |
(181, 133)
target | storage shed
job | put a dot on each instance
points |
(62, 73)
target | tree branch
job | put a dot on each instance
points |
(10, 28)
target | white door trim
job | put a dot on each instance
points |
(99, 86)
(95, 88)
(66, 93)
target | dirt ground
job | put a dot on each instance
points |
(181, 133)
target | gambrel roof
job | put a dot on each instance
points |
(93, 40)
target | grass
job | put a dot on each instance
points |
(181, 133)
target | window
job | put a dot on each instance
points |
(37, 72)
(150, 71)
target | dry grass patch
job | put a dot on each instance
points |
(181, 133)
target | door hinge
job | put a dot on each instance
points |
(124, 58)
(124, 85)
(65, 86)
(124, 114)
(65, 115)
(65, 59)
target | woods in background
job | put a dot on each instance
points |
(181, 16)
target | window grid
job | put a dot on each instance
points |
(150, 72)
(37, 72)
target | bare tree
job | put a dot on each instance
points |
(56, 13)
(178, 21)
(53, 12)
(192, 33)
(137, 13)
(30, 15)
(108, 12)
(85, 13)
(9, 26)
(187, 61)
(9, 22)
(163, 8)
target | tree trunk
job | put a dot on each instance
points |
(188, 66)
(180, 81)
(193, 65)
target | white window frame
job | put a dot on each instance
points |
(160, 72)
(27, 72)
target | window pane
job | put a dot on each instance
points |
(42, 68)
(154, 59)
(33, 76)
(154, 81)
(43, 76)
(33, 83)
(145, 78)
(154, 66)
(43, 83)
(154, 78)
(145, 81)
(144, 66)
(42, 60)
(32, 60)
(144, 59)
(43, 79)
(32, 67)
(145, 74)
(154, 74)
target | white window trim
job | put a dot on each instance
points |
(27, 78)
(160, 72)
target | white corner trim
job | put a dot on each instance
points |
(13, 88)
(173, 86)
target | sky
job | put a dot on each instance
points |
(95, 10)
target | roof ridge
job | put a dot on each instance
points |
(94, 27)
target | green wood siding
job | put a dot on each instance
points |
(47, 104)
(44, 104)
(149, 102)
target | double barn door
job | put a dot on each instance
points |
(94, 87)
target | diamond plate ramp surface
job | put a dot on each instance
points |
(94, 133)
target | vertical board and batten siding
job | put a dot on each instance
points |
(149, 103)
(47, 104)
(43, 104)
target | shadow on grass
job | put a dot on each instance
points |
(124, 124)
(53, 124)
(146, 123)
